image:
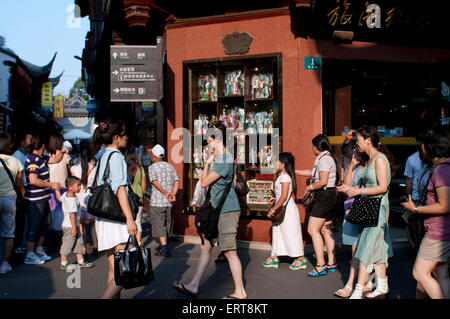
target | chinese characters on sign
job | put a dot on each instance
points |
(371, 14)
(58, 108)
(135, 73)
(47, 96)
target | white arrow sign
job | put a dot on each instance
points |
(115, 72)
(116, 90)
(115, 55)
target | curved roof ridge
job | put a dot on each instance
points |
(35, 70)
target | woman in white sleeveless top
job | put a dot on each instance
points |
(287, 237)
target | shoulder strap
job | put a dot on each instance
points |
(9, 174)
(106, 172)
(225, 194)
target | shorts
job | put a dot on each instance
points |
(37, 219)
(324, 204)
(70, 243)
(7, 216)
(228, 225)
(161, 218)
(434, 250)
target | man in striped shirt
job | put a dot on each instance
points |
(37, 195)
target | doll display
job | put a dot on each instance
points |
(262, 86)
(205, 124)
(253, 157)
(234, 83)
(198, 155)
(207, 87)
(198, 123)
(259, 123)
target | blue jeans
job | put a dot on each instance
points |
(37, 219)
(7, 216)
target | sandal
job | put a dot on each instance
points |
(331, 267)
(315, 273)
(182, 289)
(303, 264)
(271, 263)
(341, 292)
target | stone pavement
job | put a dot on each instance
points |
(48, 281)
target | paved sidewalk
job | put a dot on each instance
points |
(48, 281)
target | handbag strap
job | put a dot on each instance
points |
(9, 174)
(106, 172)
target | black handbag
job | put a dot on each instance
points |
(365, 211)
(104, 203)
(278, 216)
(207, 217)
(308, 200)
(133, 266)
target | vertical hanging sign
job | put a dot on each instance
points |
(58, 108)
(47, 96)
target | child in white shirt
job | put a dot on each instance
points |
(72, 240)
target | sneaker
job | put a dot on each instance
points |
(64, 267)
(85, 264)
(21, 250)
(5, 268)
(43, 256)
(34, 260)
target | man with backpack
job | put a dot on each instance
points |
(11, 186)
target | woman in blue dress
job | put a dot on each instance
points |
(374, 244)
(112, 236)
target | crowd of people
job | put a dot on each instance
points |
(40, 187)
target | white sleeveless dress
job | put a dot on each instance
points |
(287, 237)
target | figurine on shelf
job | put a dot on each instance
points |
(213, 121)
(269, 156)
(205, 124)
(241, 116)
(241, 154)
(262, 158)
(253, 157)
(207, 87)
(213, 88)
(234, 83)
(198, 125)
(205, 153)
(198, 156)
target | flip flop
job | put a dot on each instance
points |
(182, 289)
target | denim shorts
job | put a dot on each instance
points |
(37, 218)
(7, 216)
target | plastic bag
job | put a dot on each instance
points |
(199, 195)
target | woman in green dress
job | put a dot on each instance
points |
(374, 243)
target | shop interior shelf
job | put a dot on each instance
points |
(204, 102)
(259, 100)
(231, 96)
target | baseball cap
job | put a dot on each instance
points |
(158, 151)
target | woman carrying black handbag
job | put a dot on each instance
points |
(374, 243)
(113, 235)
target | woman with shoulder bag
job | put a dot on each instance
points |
(431, 265)
(324, 176)
(112, 235)
(374, 243)
(286, 237)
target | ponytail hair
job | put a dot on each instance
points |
(289, 164)
(371, 132)
(105, 132)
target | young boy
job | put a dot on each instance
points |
(72, 240)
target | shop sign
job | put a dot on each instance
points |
(135, 73)
(47, 96)
(313, 63)
(237, 43)
(58, 108)
(369, 15)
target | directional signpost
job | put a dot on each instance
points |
(135, 73)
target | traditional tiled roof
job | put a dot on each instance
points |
(34, 70)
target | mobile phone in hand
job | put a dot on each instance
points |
(404, 199)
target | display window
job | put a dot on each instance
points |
(244, 95)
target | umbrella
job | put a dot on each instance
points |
(77, 135)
